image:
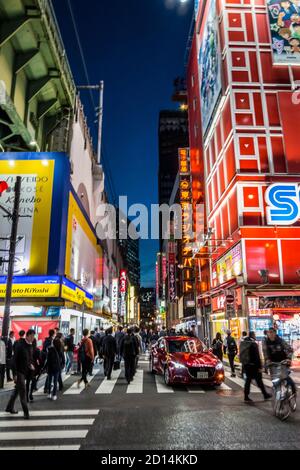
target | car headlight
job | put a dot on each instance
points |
(177, 365)
(219, 366)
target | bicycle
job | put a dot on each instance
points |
(284, 400)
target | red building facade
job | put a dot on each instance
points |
(243, 109)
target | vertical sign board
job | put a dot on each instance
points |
(284, 25)
(123, 290)
(164, 274)
(172, 277)
(114, 295)
(210, 66)
(185, 188)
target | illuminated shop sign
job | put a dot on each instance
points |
(283, 203)
(172, 277)
(114, 295)
(123, 290)
(185, 188)
(229, 266)
(70, 291)
(32, 286)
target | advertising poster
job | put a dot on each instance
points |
(229, 266)
(210, 67)
(284, 23)
(82, 251)
(35, 207)
(40, 327)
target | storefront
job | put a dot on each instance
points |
(279, 309)
(228, 314)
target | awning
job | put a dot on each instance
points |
(275, 293)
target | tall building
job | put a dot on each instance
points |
(147, 304)
(245, 165)
(130, 249)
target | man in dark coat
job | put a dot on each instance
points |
(109, 348)
(252, 365)
(23, 368)
(129, 350)
(9, 355)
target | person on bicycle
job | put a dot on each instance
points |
(276, 350)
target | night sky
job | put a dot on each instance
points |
(137, 47)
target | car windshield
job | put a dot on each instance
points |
(185, 346)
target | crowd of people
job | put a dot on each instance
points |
(274, 351)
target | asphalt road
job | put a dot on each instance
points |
(148, 416)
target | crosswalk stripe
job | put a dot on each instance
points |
(137, 385)
(40, 391)
(41, 435)
(107, 386)
(46, 423)
(161, 387)
(241, 383)
(54, 413)
(42, 448)
(223, 386)
(75, 390)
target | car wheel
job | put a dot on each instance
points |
(151, 366)
(167, 377)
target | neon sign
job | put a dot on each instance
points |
(283, 203)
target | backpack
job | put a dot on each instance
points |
(245, 348)
(231, 345)
(82, 352)
(128, 346)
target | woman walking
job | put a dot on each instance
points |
(217, 346)
(55, 364)
(86, 356)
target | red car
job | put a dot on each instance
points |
(185, 360)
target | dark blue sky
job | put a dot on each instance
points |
(137, 47)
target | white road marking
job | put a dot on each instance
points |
(41, 435)
(42, 448)
(223, 386)
(107, 386)
(53, 413)
(136, 386)
(46, 423)
(161, 386)
(195, 390)
(241, 383)
(75, 390)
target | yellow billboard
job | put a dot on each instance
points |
(35, 211)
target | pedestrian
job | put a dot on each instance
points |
(69, 349)
(94, 341)
(9, 355)
(144, 337)
(55, 364)
(31, 382)
(217, 346)
(231, 348)
(18, 341)
(154, 337)
(109, 347)
(86, 355)
(264, 341)
(244, 335)
(129, 351)
(119, 336)
(22, 367)
(163, 332)
(250, 358)
(59, 336)
(138, 339)
(192, 333)
(2, 362)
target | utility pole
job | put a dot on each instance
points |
(99, 87)
(11, 261)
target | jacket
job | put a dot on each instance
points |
(9, 349)
(109, 345)
(47, 343)
(2, 352)
(277, 351)
(55, 360)
(94, 341)
(89, 348)
(22, 359)
(129, 346)
(253, 353)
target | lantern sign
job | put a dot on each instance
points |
(3, 187)
(123, 290)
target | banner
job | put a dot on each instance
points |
(114, 295)
(284, 24)
(32, 286)
(210, 67)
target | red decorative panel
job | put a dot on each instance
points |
(272, 105)
(226, 119)
(262, 28)
(252, 219)
(290, 262)
(240, 76)
(249, 166)
(207, 159)
(235, 20)
(236, 36)
(249, 27)
(258, 110)
(219, 138)
(233, 212)
(290, 115)
(238, 59)
(242, 101)
(251, 198)
(224, 213)
(278, 155)
(230, 162)
(273, 74)
(247, 146)
(244, 119)
(253, 65)
(262, 254)
(213, 151)
(263, 154)
(218, 233)
(221, 177)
